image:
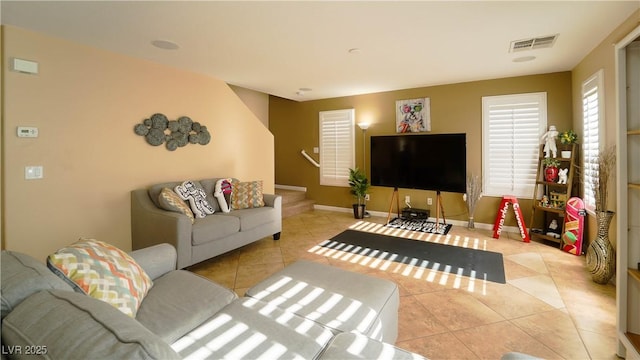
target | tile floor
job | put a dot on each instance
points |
(549, 306)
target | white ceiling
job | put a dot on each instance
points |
(280, 47)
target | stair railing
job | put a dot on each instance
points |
(311, 160)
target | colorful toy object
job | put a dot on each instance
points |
(502, 213)
(573, 226)
(222, 193)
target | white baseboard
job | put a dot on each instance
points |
(478, 225)
(291, 187)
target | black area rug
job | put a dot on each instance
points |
(474, 263)
(422, 225)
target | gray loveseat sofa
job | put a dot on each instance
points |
(287, 316)
(206, 237)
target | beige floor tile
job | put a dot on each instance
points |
(511, 302)
(549, 307)
(457, 309)
(531, 260)
(599, 346)
(260, 255)
(556, 330)
(416, 321)
(514, 270)
(439, 347)
(542, 287)
(493, 340)
(249, 275)
(589, 316)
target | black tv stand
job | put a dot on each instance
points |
(419, 212)
(397, 198)
(439, 210)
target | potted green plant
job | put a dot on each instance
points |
(359, 186)
(550, 169)
(567, 138)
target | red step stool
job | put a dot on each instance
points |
(502, 212)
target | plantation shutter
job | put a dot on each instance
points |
(337, 150)
(591, 109)
(512, 127)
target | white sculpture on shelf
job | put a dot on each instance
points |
(553, 229)
(562, 175)
(549, 139)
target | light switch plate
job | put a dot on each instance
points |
(33, 172)
(27, 131)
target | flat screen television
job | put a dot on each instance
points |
(435, 162)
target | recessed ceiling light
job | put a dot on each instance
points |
(302, 91)
(165, 44)
(524, 58)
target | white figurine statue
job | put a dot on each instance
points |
(553, 227)
(549, 139)
(562, 174)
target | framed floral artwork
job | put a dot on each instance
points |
(413, 115)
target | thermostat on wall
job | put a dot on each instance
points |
(25, 66)
(27, 131)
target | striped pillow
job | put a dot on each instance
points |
(104, 272)
(247, 195)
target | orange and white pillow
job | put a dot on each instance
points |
(104, 272)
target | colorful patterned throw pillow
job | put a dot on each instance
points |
(104, 272)
(170, 201)
(247, 195)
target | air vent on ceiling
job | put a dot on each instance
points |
(534, 43)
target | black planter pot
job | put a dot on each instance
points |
(358, 211)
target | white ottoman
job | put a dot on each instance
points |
(340, 300)
(352, 346)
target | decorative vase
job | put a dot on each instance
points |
(551, 173)
(601, 257)
(358, 211)
(471, 224)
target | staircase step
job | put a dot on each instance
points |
(297, 208)
(294, 202)
(290, 196)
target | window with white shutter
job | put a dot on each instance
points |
(512, 128)
(592, 112)
(337, 148)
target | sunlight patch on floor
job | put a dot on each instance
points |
(442, 274)
(452, 240)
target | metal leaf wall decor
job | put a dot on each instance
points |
(173, 133)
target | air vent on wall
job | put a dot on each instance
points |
(534, 43)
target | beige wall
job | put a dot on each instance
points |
(85, 103)
(256, 101)
(2, 66)
(602, 57)
(454, 108)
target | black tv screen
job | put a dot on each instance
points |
(435, 162)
